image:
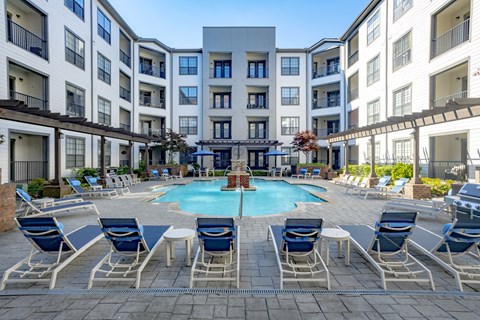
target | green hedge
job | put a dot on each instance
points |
(400, 170)
(319, 165)
(439, 187)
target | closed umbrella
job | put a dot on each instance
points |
(275, 153)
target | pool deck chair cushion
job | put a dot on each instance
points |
(218, 254)
(60, 205)
(456, 250)
(302, 174)
(52, 249)
(92, 182)
(386, 247)
(76, 186)
(131, 247)
(296, 248)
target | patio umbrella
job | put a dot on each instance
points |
(203, 153)
(276, 153)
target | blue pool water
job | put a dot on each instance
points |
(205, 197)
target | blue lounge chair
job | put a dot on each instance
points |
(386, 247)
(382, 185)
(93, 183)
(458, 241)
(218, 251)
(49, 239)
(397, 189)
(302, 174)
(165, 174)
(296, 248)
(57, 205)
(155, 175)
(76, 186)
(131, 247)
(315, 174)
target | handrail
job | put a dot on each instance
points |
(240, 208)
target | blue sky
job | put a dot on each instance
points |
(299, 23)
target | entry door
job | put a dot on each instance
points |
(146, 65)
(256, 159)
(333, 126)
(222, 159)
(146, 127)
(336, 159)
(11, 86)
(332, 65)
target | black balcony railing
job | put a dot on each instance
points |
(151, 102)
(76, 110)
(328, 102)
(322, 132)
(150, 70)
(452, 38)
(24, 171)
(124, 93)
(326, 71)
(125, 126)
(353, 58)
(221, 134)
(451, 170)
(260, 105)
(153, 132)
(221, 72)
(30, 101)
(125, 58)
(26, 40)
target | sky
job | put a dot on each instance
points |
(299, 23)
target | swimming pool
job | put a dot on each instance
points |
(205, 197)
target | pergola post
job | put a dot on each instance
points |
(103, 172)
(346, 156)
(416, 159)
(130, 151)
(330, 156)
(372, 162)
(58, 155)
(147, 157)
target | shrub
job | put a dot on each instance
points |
(35, 187)
(80, 173)
(123, 170)
(402, 170)
(319, 165)
(438, 187)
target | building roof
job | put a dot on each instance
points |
(361, 17)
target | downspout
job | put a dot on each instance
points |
(91, 79)
(345, 103)
(386, 77)
(131, 144)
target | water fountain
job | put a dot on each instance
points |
(238, 177)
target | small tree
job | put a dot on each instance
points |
(171, 143)
(305, 141)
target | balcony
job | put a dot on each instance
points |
(352, 94)
(328, 102)
(220, 134)
(452, 38)
(125, 58)
(352, 59)
(26, 39)
(75, 110)
(24, 171)
(152, 71)
(257, 73)
(31, 102)
(263, 105)
(326, 71)
(441, 102)
(322, 132)
(125, 126)
(157, 133)
(125, 94)
(220, 73)
(146, 101)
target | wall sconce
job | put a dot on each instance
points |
(20, 137)
(21, 79)
(2, 140)
(18, 16)
(123, 152)
(457, 17)
(458, 78)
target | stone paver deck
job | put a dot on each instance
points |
(356, 289)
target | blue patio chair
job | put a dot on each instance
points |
(52, 249)
(218, 252)
(315, 174)
(166, 175)
(302, 174)
(56, 205)
(397, 189)
(93, 183)
(155, 175)
(296, 249)
(131, 247)
(456, 250)
(76, 186)
(386, 247)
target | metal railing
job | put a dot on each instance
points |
(153, 132)
(220, 134)
(76, 110)
(353, 58)
(452, 38)
(125, 58)
(74, 58)
(125, 126)
(324, 71)
(263, 105)
(441, 102)
(325, 131)
(257, 134)
(124, 93)
(221, 105)
(24, 171)
(257, 73)
(328, 102)
(352, 94)
(451, 170)
(223, 72)
(154, 71)
(26, 40)
(150, 102)
(30, 101)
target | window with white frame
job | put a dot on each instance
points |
(76, 6)
(75, 152)
(188, 65)
(188, 125)
(104, 26)
(104, 68)
(291, 158)
(373, 112)
(107, 153)
(290, 66)
(402, 150)
(290, 96)
(188, 95)
(373, 70)
(402, 101)
(373, 27)
(400, 7)
(74, 50)
(377, 152)
(402, 51)
(104, 111)
(75, 101)
(290, 125)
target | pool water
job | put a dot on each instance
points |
(205, 197)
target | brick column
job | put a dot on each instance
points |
(418, 191)
(7, 206)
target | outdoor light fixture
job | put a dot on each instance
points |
(2, 140)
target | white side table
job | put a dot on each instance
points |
(339, 236)
(173, 235)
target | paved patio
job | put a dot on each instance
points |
(356, 290)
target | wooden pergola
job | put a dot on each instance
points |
(457, 109)
(14, 110)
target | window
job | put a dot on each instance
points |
(186, 157)
(373, 70)
(400, 7)
(257, 101)
(188, 125)
(104, 66)
(103, 26)
(402, 150)
(74, 50)
(107, 153)
(290, 66)
(257, 69)
(188, 95)
(75, 101)
(76, 6)
(402, 101)
(221, 100)
(402, 51)
(292, 158)
(104, 111)
(377, 152)
(223, 69)
(373, 112)
(373, 27)
(290, 125)
(75, 152)
(257, 130)
(188, 65)
(290, 96)
(222, 130)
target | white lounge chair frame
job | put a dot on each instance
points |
(421, 206)
(117, 185)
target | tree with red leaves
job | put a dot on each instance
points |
(305, 141)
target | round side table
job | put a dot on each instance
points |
(173, 235)
(339, 236)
